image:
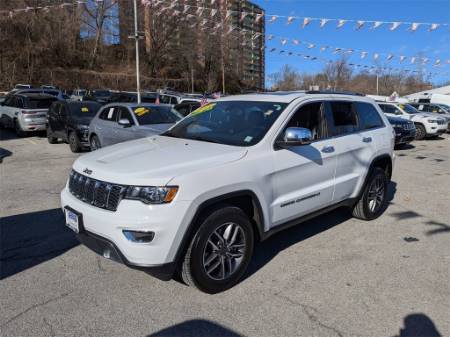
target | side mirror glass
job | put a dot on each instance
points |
(124, 122)
(297, 136)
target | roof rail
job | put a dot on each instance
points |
(334, 92)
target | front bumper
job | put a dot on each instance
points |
(436, 129)
(404, 136)
(109, 250)
(167, 221)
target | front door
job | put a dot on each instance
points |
(303, 178)
(125, 133)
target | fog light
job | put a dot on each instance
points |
(139, 236)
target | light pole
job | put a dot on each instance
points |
(136, 38)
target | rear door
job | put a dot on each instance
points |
(354, 148)
(53, 118)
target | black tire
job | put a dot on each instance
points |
(95, 143)
(421, 132)
(74, 142)
(18, 129)
(364, 209)
(51, 139)
(194, 271)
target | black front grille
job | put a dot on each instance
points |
(95, 192)
(441, 122)
(408, 126)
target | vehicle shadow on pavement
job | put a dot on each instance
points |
(418, 325)
(32, 238)
(196, 328)
(265, 251)
(4, 153)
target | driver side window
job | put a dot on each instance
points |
(310, 116)
(125, 114)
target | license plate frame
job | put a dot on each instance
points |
(73, 219)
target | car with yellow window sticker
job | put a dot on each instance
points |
(69, 121)
(120, 122)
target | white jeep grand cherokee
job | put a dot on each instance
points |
(195, 199)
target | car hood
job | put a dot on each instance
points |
(154, 161)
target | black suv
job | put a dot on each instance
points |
(70, 122)
(405, 131)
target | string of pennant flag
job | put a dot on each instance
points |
(376, 56)
(369, 68)
(306, 21)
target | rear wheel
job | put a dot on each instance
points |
(373, 200)
(95, 143)
(421, 132)
(51, 139)
(18, 129)
(74, 142)
(220, 251)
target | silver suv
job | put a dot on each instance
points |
(119, 122)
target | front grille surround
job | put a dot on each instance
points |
(441, 122)
(408, 126)
(96, 192)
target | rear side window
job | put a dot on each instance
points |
(39, 103)
(109, 114)
(368, 116)
(125, 114)
(155, 115)
(390, 109)
(344, 118)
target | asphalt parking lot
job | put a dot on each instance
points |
(332, 276)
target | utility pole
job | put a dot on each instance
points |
(136, 38)
(377, 83)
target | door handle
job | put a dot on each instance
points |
(367, 139)
(328, 149)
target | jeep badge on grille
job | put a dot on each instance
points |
(87, 171)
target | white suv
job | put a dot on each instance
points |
(427, 124)
(195, 199)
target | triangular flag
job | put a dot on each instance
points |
(375, 56)
(323, 48)
(283, 41)
(414, 26)
(290, 20)
(270, 37)
(273, 18)
(433, 26)
(311, 45)
(323, 22)
(389, 57)
(360, 24)
(337, 50)
(425, 60)
(394, 26)
(272, 50)
(306, 22)
(296, 42)
(376, 24)
(402, 58)
(437, 62)
(413, 60)
(341, 22)
(259, 17)
(364, 54)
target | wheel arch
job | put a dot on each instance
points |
(246, 200)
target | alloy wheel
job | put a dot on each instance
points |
(224, 251)
(376, 194)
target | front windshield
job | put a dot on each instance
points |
(84, 109)
(239, 123)
(445, 107)
(147, 115)
(408, 108)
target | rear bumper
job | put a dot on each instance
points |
(108, 249)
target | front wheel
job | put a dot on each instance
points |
(51, 139)
(95, 143)
(220, 251)
(74, 142)
(421, 132)
(374, 198)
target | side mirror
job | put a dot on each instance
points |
(295, 137)
(124, 122)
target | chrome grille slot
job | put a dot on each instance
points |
(95, 192)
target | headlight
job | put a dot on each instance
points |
(432, 121)
(152, 194)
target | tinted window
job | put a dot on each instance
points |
(9, 101)
(368, 116)
(125, 114)
(183, 109)
(39, 103)
(240, 123)
(390, 109)
(408, 108)
(164, 99)
(147, 115)
(82, 109)
(310, 117)
(344, 118)
(109, 114)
